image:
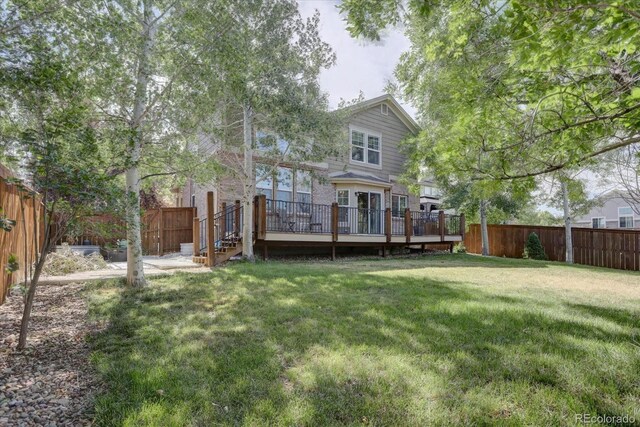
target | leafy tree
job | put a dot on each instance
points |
(533, 248)
(269, 62)
(557, 106)
(47, 118)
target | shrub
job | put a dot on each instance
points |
(533, 249)
(459, 248)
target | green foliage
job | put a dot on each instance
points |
(501, 88)
(12, 264)
(532, 215)
(533, 248)
(6, 224)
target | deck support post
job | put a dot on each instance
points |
(334, 222)
(196, 236)
(211, 242)
(451, 247)
(422, 248)
(333, 252)
(384, 252)
(387, 223)
(261, 217)
(441, 223)
(407, 225)
(236, 219)
(265, 252)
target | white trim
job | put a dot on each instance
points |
(365, 147)
(348, 196)
(384, 109)
(604, 220)
(620, 216)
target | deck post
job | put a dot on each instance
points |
(441, 220)
(223, 221)
(211, 243)
(265, 252)
(387, 223)
(407, 225)
(334, 224)
(333, 252)
(160, 233)
(255, 217)
(196, 236)
(463, 226)
(262, 217)
(236, 220)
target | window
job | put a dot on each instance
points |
(284, 190)
(365, 147)
(625, 217)
(598, 223)
(384, 109)
(342, 197)
(303, 190)
(267, 142)
(398, 205)
(429, 191)
(264, 183)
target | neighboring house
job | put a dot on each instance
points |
(614, 212)
(429, 196)
(366, 176)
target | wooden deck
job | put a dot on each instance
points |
(283, 224)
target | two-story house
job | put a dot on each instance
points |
(363, 181)
(613, 212)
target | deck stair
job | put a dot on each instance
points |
(226, 249)
(221, 231)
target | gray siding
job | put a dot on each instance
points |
(392, 130)
(609, 211)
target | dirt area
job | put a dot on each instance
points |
(51, 383)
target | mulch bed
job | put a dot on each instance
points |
(51, 382)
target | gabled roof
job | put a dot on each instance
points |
(393, 105)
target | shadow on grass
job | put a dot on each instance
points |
(278, 344)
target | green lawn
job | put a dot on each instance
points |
(438, 340)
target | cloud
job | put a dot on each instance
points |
(361, 65)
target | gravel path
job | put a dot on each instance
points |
(51, 383)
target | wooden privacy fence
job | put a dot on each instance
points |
(165, 228)
(612, 248)
(27, 235)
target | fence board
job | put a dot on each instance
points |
(612, 248)
(172, 226)
(22, 240)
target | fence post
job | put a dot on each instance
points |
(211, 243)
(196, 236)
(160, 233)
(441, 223)
(236, 220)
(408, 230)
(334, 222)
(387, 223)
(463, 226)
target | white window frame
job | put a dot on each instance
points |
(620, 216)
(604, 222)
(399, 214)
(366, 148)
(384, 109)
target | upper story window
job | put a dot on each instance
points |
(365, 147)
(625, 217)
(398, 204)
(598, 223)
(270, 143)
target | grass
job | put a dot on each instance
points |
(442, 340)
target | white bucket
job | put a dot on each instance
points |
(186, 249)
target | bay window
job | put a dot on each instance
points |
(398, 204)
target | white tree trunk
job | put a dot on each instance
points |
(567, 223)
(135, 267)
(249, 185)
(484, 231)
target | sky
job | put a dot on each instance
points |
(361, 65)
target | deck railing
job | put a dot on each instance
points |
(425, 223)
(295, 217)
